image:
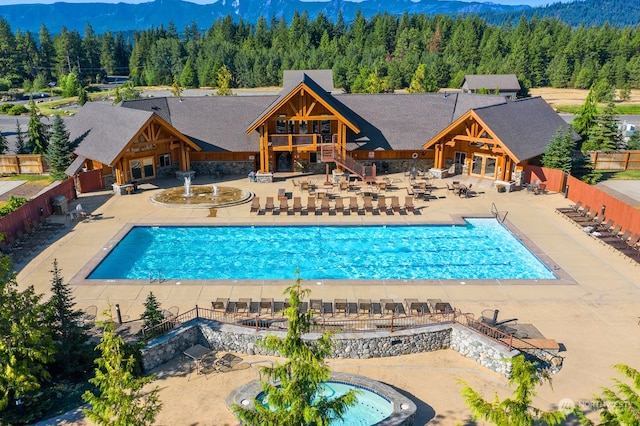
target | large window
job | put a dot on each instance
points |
(164, 160)
(142, 168)
(484, 166)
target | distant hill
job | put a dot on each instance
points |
(127, 17)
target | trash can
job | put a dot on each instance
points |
(60, 205)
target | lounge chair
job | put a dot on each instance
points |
(341, 305)
(395, 203)
(311, 205)
(408, 204)
(573, 208)
(284, 206)
(382, 204)
(364, 305)
(269, 206)
(220, 303)
(353, 204)
(315, 305)
(243, 304)
(324, 205)
(389, 306)
(339, 205)
(266, 303)
(297, 205)
(419, 307)
(368, 204)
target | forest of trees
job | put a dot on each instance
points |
(541, 52)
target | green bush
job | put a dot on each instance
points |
(4, 108)
(13, 203)
(17, 110)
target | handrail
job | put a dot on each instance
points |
(329, 153)
(496, 213)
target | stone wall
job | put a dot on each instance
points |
(222, 168)
(481, 349)
(374, 344)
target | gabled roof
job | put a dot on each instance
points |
(324, 78)
(524, 127)
(503, 82)
(405, 121)
(101, 131)
(306, 82)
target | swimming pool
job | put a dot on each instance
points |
(369, 409)
(481, 249)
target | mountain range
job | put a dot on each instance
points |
(127, 17)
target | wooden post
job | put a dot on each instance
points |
(392, 317)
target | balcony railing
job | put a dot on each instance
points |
(294, 140)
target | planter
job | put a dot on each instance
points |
(501, 188)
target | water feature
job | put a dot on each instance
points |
(187, 187)
(215, 190)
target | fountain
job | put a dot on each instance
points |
(187, 187)
(201, 196)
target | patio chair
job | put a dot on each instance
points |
(395, 203)
(324, 206)
(573, 208)
(315, 305)
(419, 307)
(364, 305)
(408, 204)
(89, 315)
(297, 205)
(382, 204)
(353, 204)
(269, 206)
(243, 304)
(341, 305)
(266, 303)
(344, 185)
(311, 205)
(220, 303)
(304, 186)
(339, 205)
(295, 184)
(388, 306)
(368, 204)
(284, 206)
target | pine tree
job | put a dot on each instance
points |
(70, 337)
(120, 399)
(585, 117)
(4, 144)
(558, 154)
(424, 80)
(152, 314)
(622, 405)
(83, 96)
(223, 81)
(26, 346)
(517, 410)
(292, 387)
(59, 151)
(20, 146)
(37, 131)
(634, 141)
(604, 135)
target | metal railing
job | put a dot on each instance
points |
(329, 153)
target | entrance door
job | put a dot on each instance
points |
(484, 166)
(285, 162)
(142, 168)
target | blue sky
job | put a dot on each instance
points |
(7, 2)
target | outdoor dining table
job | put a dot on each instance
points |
(197, 353)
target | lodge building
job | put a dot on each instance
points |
(311, 127)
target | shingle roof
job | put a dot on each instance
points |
(324, 78)
(504, 82)
(101, 131)
(525, 126)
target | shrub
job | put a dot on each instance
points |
(4, 108)
(18, 110)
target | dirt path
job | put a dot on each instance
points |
(573, 96)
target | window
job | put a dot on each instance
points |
(459, 157)
(303, 127)
(325, 127)
(165, 160)
(292, 127)
(281, 126)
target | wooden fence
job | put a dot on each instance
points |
(31, 212)
(617, 160)
(23, 164)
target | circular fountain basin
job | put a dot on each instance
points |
(201, 196)
(377, 404)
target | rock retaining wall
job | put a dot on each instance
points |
(374, 344)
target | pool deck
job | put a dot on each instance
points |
(593, 313)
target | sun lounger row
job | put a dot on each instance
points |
(323, 308)
(383, 205)
(23, 244)
(627, 242)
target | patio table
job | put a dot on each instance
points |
(197, 353)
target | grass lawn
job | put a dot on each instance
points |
(620, 174)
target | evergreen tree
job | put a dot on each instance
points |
(604, 135)
(70, 84)
(120, 399)
(223, 81)
(517, 410)
(557, 155)
(634, 141)
(4, 144)
(188, 77)
(424, 80)
(292, 387)
(20, 145)
(59, 151)
(26, 346)
(83, 96)
(37, 131)
(585, 117)
(70, 337)
(176, 90)
(152, 314)
(620, 406)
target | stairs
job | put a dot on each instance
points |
(329, 154)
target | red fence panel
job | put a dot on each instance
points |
(90, 181)
(551, 177)
(42, 205)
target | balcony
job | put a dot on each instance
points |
(289, 141)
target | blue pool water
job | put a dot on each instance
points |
(483, 249)
(369, 409)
